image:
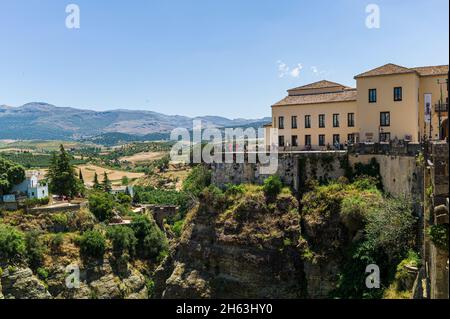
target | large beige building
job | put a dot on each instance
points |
(389, 102)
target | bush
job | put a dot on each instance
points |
(42, 273)
(101, 205)
(151, 241)
(177, 228)
(391, 227)
(57, 241)
(82, 220)
(272, 186)
(198, 179)
(123, 239)
(439, 236)
(60, 221)
(92, 244)
(35, 249)
(12, 244)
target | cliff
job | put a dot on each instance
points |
(237, 246)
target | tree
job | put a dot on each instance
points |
(61, 175)
(92, 244)
(96, 185)
(198, 179)
(101, 205)
(12, 244)
(125, 181)
(106, 184)
(151, 241)
(272, 186)
(123, 240)
(391, 227)
(10, 174)
(80, 176)
(35, 249)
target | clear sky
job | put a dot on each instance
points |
(204, 57)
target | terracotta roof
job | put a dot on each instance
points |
(432, 70)
(318, 85)
(385, 70)
(341, 96)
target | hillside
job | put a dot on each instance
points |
(46, 121)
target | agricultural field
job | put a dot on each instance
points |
(143, 157)
(40, 145)
(89, 170)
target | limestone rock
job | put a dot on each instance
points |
(22, 284)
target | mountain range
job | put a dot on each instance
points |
(45, 121)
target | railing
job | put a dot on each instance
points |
(441, 107)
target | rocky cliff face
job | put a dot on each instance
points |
(97, 281)
(245, 248)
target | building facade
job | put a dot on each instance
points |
(32, 186)
(389, 103)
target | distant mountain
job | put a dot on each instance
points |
(46, 121)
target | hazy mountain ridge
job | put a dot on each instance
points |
(45, 121)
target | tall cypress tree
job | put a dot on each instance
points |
(61, 175)
(80, 176)
(96, 185)
(106, 183)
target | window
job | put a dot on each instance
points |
(294, 140)
(307, 121)
(335, 120)
(321, 120)
(351, 119)
(372, 95)
(385, 119)
(281, 122)
(294, 121)
(398, 94)
(321, 140)
(385, 137)
(308, 140)
(351, 138)
(336, 139)
(281, 141)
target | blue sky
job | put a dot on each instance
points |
(204, 57)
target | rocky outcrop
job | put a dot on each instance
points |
(97, 281)
(243, 249)
(20, 283)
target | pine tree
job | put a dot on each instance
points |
(106, 184)
(80, 176)
(96, 185)
(61, 175)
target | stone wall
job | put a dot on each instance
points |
(399, 174)
(293, 168)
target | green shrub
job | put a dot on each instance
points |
(12, 244)
(439, 236)
(197, 180)
(57, 241)
(60, 221)
(150, 239)
(272, 186)
(42, 273)
(177, 228)
(101, 205)
(123, 239)
(35, 249)
(234, 189)
(92, 244)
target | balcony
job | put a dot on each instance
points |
(442, 107)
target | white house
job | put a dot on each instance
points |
(129, 190)
(32, 186)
